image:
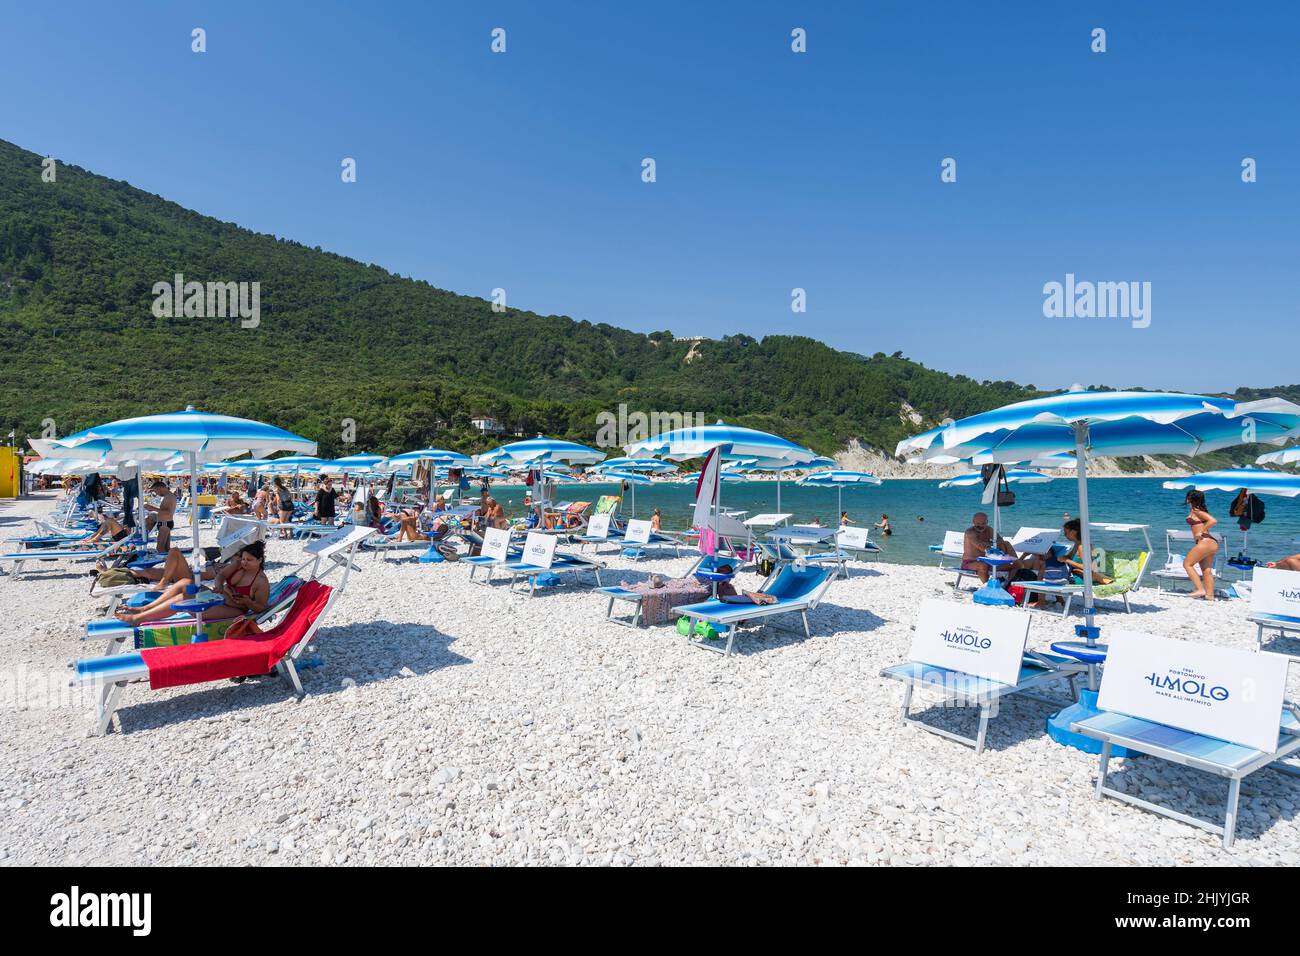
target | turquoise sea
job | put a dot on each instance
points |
(1126, 500)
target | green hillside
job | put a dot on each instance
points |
(340, 339)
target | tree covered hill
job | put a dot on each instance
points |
(409, 363)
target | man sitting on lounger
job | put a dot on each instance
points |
(162, 515)
(977, 542)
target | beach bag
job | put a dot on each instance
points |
(114, 578)
(548, 580)
(243, 626)
(1056, 572)
(766, 566)
(1255, 508)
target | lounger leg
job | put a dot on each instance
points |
(1127, 609)
(108, 700)
(1259, 637)
(293, 677)
(1102, 767)
(609, 611)
(1068, 599)
(1230, 821)
(807, 631)
(907, 701)
(983, 731)
(731, 639)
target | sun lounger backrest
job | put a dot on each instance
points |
(1225, 692)
(793, 583)
(1275, 591)
(986, 642)
(954, 543)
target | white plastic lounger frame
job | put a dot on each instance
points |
(566, 563)
(1235, 761)
(1037, 671)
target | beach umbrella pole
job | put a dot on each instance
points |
(1085, 536)
(195, 561)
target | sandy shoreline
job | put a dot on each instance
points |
(454, 723)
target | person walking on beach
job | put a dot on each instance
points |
(1199, 563)
(656, 521)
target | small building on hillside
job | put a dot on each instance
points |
(486, 424)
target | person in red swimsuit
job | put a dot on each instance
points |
(241, 581)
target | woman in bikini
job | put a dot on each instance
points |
(1204, 547)
(242, 582)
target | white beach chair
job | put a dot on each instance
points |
(1226, 729)
(1275, 605)
(1173, 569)
(989, 642)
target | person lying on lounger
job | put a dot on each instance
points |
(110, 529)
(1286, 564)
(241, 582)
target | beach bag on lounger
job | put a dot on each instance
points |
(114, 578)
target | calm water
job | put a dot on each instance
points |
(1126, 500)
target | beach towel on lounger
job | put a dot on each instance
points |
(238, 656)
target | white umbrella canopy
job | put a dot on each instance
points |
(540, 451)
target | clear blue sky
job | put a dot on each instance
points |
(775, 170)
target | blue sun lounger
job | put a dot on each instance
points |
(1187, 749)
(797, 589)
(563, 563)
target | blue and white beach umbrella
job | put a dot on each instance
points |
(839, 479)
(652, 465)
(540, 451)
(440, 457)
(1287, 456)
(1257, 481)
(732, 441)
(1090, 423)
(361, 464)
(199, 436)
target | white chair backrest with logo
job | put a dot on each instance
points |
(1225, 692)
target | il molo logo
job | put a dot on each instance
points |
(1289, 594)
(1098, 300)
(210, 300)
(964, 638)
(1183, 683)
(77, 909)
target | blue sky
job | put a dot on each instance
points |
(775, 170)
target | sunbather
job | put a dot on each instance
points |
(235, 503)
(1286, 564)
(241, 581)
(656, 521)
(110, 529)
(283, 499)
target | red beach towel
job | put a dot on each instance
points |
(237, 656)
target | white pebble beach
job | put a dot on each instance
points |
(449, 722)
